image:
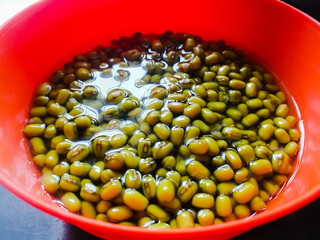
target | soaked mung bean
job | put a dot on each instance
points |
(162, 131)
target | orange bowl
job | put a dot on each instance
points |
(40, 39)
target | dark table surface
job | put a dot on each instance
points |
(20, 221)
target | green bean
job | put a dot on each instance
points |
(202, 200)
(132, 179)
(71, 202)
(149, 186)
(70, 130)
(197, 170)
(181, 121)
(242, 211)
(119, 213)
(204, 128)
(185, 219)
(136, 137)
(95, 171)
(168, 162)
(34, 130)
(294, 135)
(176, 136)
(232, 133)
(234, 114)
(165, 191)
(281, 135)
(196, 100)
(266, 131)
(192, 110)
(162, 131)
(90, 192)
(223, 206)
(174, 177)
(292, 148)
(187, 190)
(250, 120)
(50, 182)
(135, 200)
(56, 110)
(147, 165)
(257, 204)
(80, 169)
(157, 213)
(70, 183)
(78, 153)
(260, 167)
(291, 120)
(226, 188)
(37, 146)
(244, 192)
(198, 146)
(166, 117)
(208, 116)
(118, 140)
(162, 149)
(158, 92)
(88, 210)
(233, 159)
(39, 160)
(224, 173)
(213, 148)
(38, 111)
(270, 187)
(200, 90)
(212, 59)
(114, 161)
(205, 217)
(281, 162)
(111, 189)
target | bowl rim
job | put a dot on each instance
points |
(79, 220)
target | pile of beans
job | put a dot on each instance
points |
(162, 131)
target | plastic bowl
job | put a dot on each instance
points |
(40, 39)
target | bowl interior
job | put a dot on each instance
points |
(39, 40)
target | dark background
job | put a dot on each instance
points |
(21, 221)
